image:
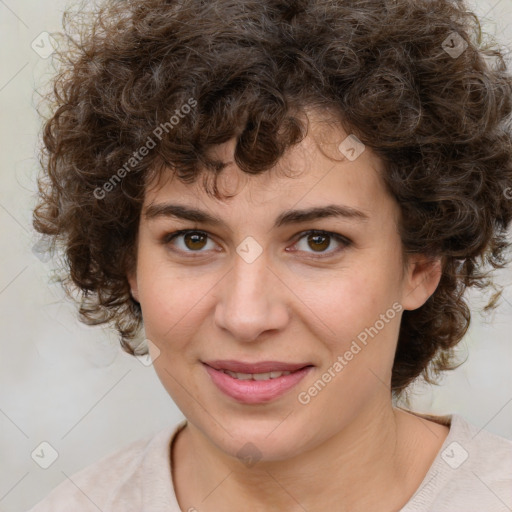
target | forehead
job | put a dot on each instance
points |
(316, 171)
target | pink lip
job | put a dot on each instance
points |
(260, 367)
(255, 391)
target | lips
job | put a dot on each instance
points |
(259, 367)
(255, 383)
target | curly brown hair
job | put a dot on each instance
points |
(413, 80)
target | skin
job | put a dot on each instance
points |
(348, 449)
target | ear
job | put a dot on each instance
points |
(132, 280)
(420, 281)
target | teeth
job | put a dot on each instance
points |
(241, 376)
(255, 376)
(261, 376)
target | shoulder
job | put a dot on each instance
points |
(478, 440)
(115, 482)
(472, 471)
(478, 452)
(479, 467)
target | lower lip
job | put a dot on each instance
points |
(255, 391)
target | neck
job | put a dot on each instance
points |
(374, 463)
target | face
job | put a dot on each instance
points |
(260, 285)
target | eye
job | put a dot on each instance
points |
(319, 241)
(191, 240)
(194, 241)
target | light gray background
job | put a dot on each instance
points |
(71, 385)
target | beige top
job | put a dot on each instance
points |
(471, 473)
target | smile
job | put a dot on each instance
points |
(255, 376)
(256, 387)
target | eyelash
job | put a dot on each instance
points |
(345, 242)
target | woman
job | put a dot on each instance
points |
(354, 160)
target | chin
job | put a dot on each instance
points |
(262, 440)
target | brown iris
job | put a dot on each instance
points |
(195, 239)
(315, 237)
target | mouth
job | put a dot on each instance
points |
(255, 376)
(252, 383)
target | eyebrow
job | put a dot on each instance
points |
(287, 217)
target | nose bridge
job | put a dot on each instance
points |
(250, 302)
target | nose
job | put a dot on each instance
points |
(252, 300)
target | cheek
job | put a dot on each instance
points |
(168, 305)
(360, 338)
(174, 300)
(173, 312)
(360, 320)
(337, 304)
(348, 303)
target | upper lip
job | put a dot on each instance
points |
(259, 367)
